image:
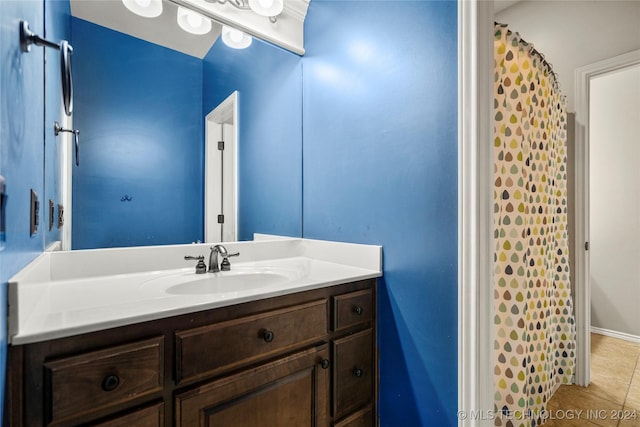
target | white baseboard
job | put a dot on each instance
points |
(615, 334)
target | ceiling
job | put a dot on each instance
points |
(500, 5)
(164, 30)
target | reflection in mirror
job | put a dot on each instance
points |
(141, 110)
(57, 26)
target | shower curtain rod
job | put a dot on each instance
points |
(533, 51)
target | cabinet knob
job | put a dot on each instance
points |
(267, 335)
(357, 372)
(324, 363)
(110, 382)
(358, 310)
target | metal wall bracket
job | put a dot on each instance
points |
(28, 37)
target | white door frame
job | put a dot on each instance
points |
(224, 116)
(582, 285)
(475, 217)
(66, 163)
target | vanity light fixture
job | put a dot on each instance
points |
(267, 7)
(145, 8)
(193, 22)
(235, 39)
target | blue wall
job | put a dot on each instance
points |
(269, 82)
(138, 107)
(22, 126)
(21, 147)
(380, 166)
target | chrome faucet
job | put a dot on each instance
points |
(225, 265)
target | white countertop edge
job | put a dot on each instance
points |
(29, 338)
(65, 265)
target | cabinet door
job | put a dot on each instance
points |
(353, 372)
(291, 391)
(152, 416)
(361, 418)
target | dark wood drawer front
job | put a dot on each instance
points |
(352, 309)
(215, 348)
(291, 391)
(353, 372)
(93, 382)
(152, 416)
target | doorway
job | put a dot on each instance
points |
(614, 194)
(583, 288)
(221, 181)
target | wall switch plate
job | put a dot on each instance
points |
(35, 213)
(60, 216)
(52, 210)
(3, 211)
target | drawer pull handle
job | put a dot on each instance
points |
(357, 372)
(358, 310)
(267, 335)
(324, 363)
(110, 382)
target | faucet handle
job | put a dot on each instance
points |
(201, 267)
(225, 265)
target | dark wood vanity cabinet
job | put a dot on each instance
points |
(305, 359)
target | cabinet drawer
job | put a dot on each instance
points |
(353, 372)
(215, 348)
(352, 309)
(93, 382)
(152, 416)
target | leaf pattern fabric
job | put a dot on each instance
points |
(534, 326)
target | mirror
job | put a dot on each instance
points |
(65, 71)
(140, 109)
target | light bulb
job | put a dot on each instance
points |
(235, 39)
(193, 22)
(236, 35)
(145, 8)
(267, 7)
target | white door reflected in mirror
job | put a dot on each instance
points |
(220, 188)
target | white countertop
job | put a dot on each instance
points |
(62, 294)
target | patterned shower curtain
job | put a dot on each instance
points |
(534, 327)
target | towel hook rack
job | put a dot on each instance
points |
(28, 37)
(57, 129)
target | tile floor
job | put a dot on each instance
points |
(613, 397)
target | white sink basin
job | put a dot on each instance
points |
(242, 278)
(229, 281)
